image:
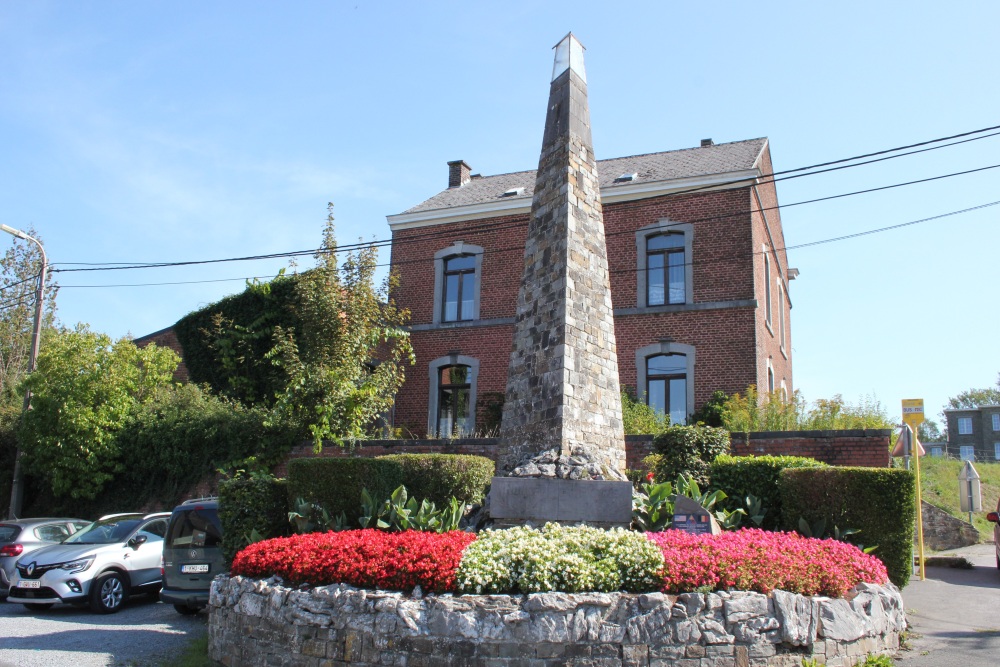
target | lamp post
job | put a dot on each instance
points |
(17, 487)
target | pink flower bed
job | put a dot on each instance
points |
(757, 560)
(363, 558)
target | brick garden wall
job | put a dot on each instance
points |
(866, 448)
(167, 338)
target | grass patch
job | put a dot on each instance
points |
(939, 487)
(194, 655)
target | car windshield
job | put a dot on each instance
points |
(195, 528)
(106, 531)
(9, 533)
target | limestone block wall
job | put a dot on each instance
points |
(943, 531)
(254, 622)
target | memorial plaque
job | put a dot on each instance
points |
(692, 518)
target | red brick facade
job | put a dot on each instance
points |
(167, 338)
(724, 321)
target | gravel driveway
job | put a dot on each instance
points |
(144, 632)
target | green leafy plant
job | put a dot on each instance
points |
(251, 505)
(757, 476)
(640, 419)
(688, 451)
(653, 505)
(402, 512)
(310, 517)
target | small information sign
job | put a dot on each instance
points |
(692, 518)
(913, 412)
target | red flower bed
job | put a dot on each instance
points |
(757, 560)
(363, 558)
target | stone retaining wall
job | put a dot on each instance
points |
(943, 531)
(253, 622)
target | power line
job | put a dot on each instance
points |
(385, 242)
(726, 258)
(422, 238)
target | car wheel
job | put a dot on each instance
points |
(186, 610)
(108, 593)
(38, 606)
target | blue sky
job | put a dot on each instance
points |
(172, 131)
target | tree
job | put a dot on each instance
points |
(19, 270)
(345, 362)
(975, 398)
(84, 389)
(929, 431)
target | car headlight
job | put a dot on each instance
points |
(77, 565)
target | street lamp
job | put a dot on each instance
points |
(17, 487)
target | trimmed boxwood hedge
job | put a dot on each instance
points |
(439, 477)
(247, 504)
(878, 502)
(336, 484)
(686, 450)
(740, 476)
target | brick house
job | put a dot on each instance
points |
(699, 282)
(974, 433)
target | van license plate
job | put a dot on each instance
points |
(194, 569)
(29, 584)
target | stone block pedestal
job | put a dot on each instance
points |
(515, 501)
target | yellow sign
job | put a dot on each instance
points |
(913, 412)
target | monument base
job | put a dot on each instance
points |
(515, 501)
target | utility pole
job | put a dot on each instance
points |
(17, 487)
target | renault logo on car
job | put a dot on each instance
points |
(30, 569)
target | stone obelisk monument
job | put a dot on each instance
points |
(562, 453)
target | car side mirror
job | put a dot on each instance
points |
(137, 541)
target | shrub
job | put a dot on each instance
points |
(336, 484)
(559, 558)
(757, 560)
(251, 506)
(740, 476)
(362, 558)
(640, 419)
(877, 502)
(183, 435)
(688, 451)
(710, 414)
(441, 477)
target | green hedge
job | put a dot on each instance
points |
(440, 477)
(248, 504)
(336, 484)
(740, 476)
(687, 450)
(878, 502)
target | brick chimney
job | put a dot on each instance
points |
(459, 173)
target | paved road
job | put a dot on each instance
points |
(142, 633)
(955, 614)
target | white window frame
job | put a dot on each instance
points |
(663, 226)
(967, 452)
(996, 450)
(434, 370)
(996, 421)
(457, 248)
(665, 347)
(965, 422)
(937, 451)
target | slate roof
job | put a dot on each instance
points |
(651, 167)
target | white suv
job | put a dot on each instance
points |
(102, 564)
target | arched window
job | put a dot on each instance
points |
(665, 269)
(666, 385)
(452, 399)
(459, 289)
(457, 279)
(454, 416)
